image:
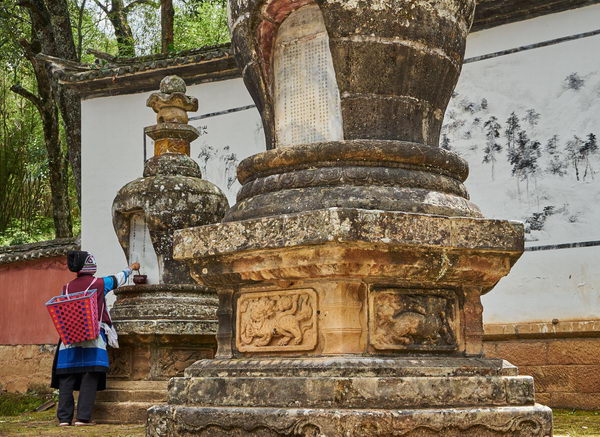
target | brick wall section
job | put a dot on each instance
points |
(565, 365)
(24, 365)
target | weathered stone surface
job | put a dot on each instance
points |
(169, 202)
(362, 392)
(529, 421)
(368, 174)
(415, 320)
(341, 225)
(141, 306)
(25, 365)
(354, 366)
(271, 321)
(427, 40)
(350, 272)
(165, 327)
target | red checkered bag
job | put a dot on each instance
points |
(75, 315)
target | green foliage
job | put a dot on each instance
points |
(25, 215)
(201, 24)
(13, 404)
(38, 228)
(90, 30)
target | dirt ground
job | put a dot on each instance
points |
(566, 424)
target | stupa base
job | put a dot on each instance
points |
(360, 396)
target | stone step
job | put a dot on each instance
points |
(122, 412)
(357, 392)
(353, 366)
(112, 395)
(136, 385)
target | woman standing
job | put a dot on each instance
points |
(83, 366)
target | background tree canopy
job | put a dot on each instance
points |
(40, 136)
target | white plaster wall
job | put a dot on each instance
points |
(562, 284)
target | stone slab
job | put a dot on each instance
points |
(529, 421)
(353, 367)
(343, 225)
(360, 393)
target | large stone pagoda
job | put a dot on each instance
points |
(169, 322)
(350, 270)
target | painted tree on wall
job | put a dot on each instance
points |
(573, 151)
(511, 132)
(492, 147)
(445, 143)
(557, 165)
(524, 159)
(589, 148)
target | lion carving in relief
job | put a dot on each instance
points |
(412, 320)
(279, 320)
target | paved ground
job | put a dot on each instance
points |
(566, 424)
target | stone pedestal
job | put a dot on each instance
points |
(162, 330)
(351, 322)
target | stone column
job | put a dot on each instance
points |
(166, 325)
(350, 270)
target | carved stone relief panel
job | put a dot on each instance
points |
(307, 100)
(172, 362)
(413, 320)
(277, 321)
(120, 362)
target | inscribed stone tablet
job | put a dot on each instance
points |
(307, 101)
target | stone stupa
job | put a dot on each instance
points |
(350, 270)
(167, 323)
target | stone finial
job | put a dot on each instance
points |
(171, 104)
(172, 134)
(172, 84)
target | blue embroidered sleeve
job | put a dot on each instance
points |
(114, 281)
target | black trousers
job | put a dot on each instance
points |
(88, 383)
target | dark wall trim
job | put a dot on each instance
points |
(563, 246)
(533, 46)
(492, 13)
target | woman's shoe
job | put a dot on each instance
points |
(64, 424)
(78, 423)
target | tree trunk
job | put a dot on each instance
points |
(167, 16)
(63, 46)
(45, 102)
(118, 18)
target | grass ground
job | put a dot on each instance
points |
(44, 424)
(576, 423)
(567, 423)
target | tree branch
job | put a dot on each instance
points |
(101, 55)
(101, 6)
(18, 89)
(135, 3)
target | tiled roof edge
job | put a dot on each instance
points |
(134, 65)
(42, 249)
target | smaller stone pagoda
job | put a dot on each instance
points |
(169, 322)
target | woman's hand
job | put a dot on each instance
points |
(135, 266)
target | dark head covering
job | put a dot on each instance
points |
(76, 259)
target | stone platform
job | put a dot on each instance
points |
(163, 328)
(325, 396)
